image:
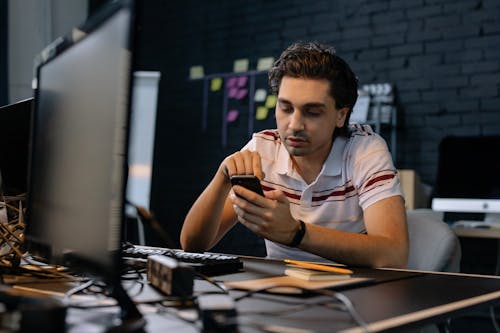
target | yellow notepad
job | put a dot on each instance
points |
(314, 275)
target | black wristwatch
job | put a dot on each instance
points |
(299, 235)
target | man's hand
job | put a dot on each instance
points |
(267, 216)
(244, 162)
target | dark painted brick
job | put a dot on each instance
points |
(441, 21)
(479, 91)
(415, 84)
(425, 35)
(456, 105)
(407, 49)
(479, 67)
(444, 46)
(490, 104)
(388, 40)
(460, 31)
(425, 11)
(438, 96)
(373, 54)
(463, 56)
(450, 82)
(387, 17)
(483, 42)
(485, 79)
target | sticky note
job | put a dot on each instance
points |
(231, 82)
(241, 93)
(216, 84)
(196, 72)
(232, 115)
(240, 65)
(232, 93)
(263, 64)
(261, 113)
(242, 81)
(270, 101)
(260, 95)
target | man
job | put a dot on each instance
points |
(332, 192)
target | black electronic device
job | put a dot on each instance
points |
(206, 263)
(15, 122)
(468, 181)
(78, 163)
(250, 182)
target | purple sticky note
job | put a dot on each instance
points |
(241, 93)
(231, 82)
(242, 81)
(232, 93)
(232, 115)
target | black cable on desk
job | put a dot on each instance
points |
(346, 302)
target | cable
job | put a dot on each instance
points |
(219, 285)
(493, 319)
(349, 306)
(346, 302)
(77, 289)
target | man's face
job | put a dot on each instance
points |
(306, 116)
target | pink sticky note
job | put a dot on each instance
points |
(233, 93)
(242, 81)
(231, 82)
(232, 115)
(241, 93)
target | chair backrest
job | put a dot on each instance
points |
(433, 245)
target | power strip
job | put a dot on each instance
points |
(170, 276)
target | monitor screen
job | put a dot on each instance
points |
(78, 165)
(468, 180)
(14, 146)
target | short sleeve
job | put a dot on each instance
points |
(373, 173)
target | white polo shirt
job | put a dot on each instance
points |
(357, 173)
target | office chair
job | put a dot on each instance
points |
(433, 245)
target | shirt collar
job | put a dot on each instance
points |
(332, 166)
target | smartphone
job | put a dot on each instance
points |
(250, 182)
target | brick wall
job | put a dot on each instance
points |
(442, 56)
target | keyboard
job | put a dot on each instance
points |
(206, 263)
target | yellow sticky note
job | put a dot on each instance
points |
(196, 72)
(264, 64)
(270, 101)
(216, 84)
(240, 65)
(261, 113)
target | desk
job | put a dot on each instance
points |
(396, 299)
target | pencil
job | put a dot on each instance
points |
(318, 267)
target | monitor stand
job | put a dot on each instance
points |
(132, 320)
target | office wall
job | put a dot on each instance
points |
(441, 55)
(32, 25)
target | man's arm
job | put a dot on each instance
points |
(384, 245)
(212, 214)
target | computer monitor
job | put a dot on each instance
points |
(78, 166)
(468, 180)
(15, 121)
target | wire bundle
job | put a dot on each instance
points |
(11, 230)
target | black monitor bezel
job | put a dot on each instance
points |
(57, 48)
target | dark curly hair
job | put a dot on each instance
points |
(313, 60)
